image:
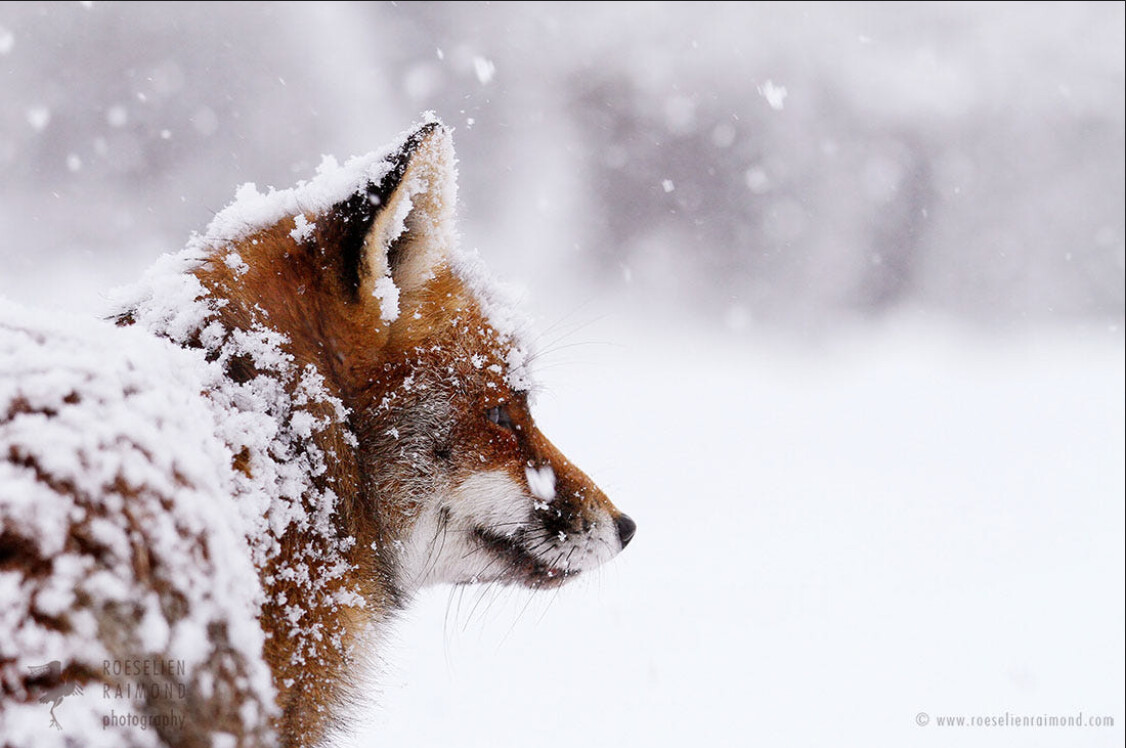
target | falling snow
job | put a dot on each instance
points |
(38, 117)
(484, 69)
(774, 94)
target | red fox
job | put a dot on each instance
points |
(213, 504)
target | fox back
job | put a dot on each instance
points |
(213, 504)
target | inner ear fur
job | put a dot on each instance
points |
(402, 226)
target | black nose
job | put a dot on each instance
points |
(626, 528)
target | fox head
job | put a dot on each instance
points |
(443, 473)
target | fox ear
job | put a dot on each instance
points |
(401, 228)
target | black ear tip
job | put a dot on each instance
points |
(355, 216)
(428, 128)
(400, 159)
(418, 135)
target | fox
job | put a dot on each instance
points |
(214, 501)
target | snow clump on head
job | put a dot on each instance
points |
(500, 304)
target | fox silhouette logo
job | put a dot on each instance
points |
(319, 407)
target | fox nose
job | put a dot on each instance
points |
(626, 528)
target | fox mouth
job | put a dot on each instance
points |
(517, 563)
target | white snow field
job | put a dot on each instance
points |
(835, 544)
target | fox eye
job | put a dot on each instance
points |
(500, 416)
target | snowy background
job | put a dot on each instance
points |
(835, 300)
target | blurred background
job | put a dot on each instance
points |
(745, 164)
(833, 293)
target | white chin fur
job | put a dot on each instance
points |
(446, 549)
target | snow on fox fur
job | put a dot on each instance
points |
(210, 504)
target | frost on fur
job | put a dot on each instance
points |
(387, 293)
(500, 304)
(302, 228)
(111, 449)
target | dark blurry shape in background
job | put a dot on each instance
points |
(758, 164)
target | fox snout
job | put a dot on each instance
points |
(518, 510)
(577, 503)
(626, 529)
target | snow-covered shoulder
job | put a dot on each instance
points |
(109, 442)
